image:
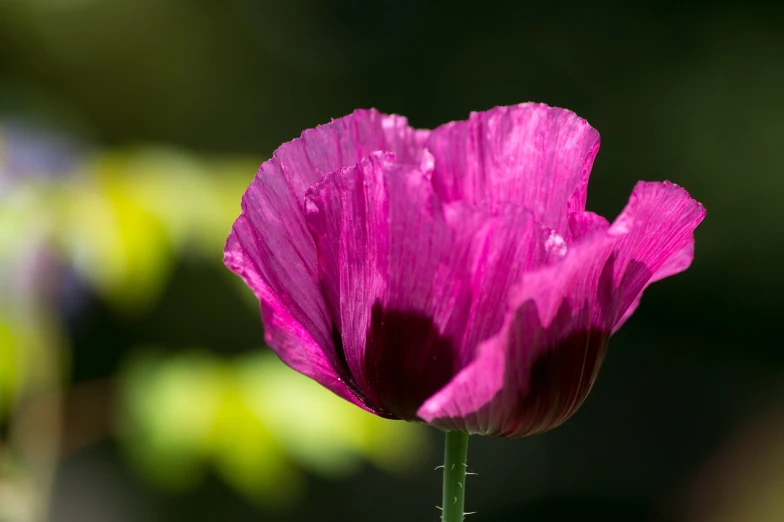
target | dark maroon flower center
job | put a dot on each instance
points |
(406, 361)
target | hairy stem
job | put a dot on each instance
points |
(455, 452)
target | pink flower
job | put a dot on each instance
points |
(451, 276)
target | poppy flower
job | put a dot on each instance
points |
(453, 276)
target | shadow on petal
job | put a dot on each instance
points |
(406, 360)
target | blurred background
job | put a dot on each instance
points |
(134, 384)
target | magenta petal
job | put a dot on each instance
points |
(392, 264)
(538, 370)
(417, 284)
(272, 250)
(532, 155)
(510, 244)
(680, 259)
(301, 341)
(585, 224)
(345, 141)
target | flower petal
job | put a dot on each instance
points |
(301, 346)
(386, 249)
(418, 284)
(679, 261)
(344, 142)
(272, 250)
(531, 155)
(510, 244)
(538, 370)
(585, 224)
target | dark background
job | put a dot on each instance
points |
(687, 411)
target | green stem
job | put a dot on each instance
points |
(455, 452)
